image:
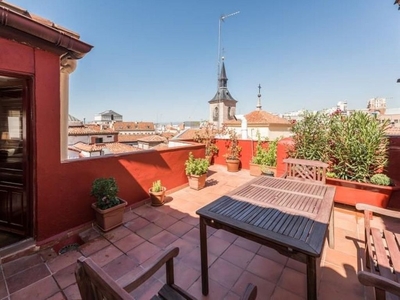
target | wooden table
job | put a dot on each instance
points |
(289, 216)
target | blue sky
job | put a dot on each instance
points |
(156, 60)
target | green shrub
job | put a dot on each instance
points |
(105, 191)
(311, 137)
(354, 146)
(266, 156)
(380, 179)
(196, 166)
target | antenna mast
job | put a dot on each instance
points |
(222, 18)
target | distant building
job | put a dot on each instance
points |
(191, 124)
(222, 106)
(91, 133)
(393, 115)
(80, 149)
(377, 105)
(88, 140)
(151, 141)
(134, 128)
(107, 117)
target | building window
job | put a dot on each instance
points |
(215, 114)
(98, 140)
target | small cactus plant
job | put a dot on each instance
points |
(157, 186)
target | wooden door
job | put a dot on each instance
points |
(15, 209)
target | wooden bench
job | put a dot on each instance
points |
(382, 255)
(95, 284)
(305, 170)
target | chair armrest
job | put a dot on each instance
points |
(159, 262)
(250, 293)
(370, 279)
(378, 210)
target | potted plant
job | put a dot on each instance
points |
(157, 193)
(109, 208)
(264, 160)
(206, 135)
(233, 152)
(355, 147)
(196, 171)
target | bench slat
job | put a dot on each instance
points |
(393, 247)
(381, 255)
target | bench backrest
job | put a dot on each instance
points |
(305, 170)
(95, 284)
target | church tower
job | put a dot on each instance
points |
(223, 105)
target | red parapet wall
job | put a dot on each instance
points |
(248, 148)
(66, 203)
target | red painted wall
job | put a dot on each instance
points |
(65, 199)
(61, 190)
(248, 148)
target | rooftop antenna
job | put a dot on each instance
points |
(221, 19)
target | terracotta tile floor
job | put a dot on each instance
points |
(233, 261)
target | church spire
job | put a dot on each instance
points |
(222, 92)
(222, 107)
(223, 80)
(259, 98)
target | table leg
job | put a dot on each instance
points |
(311, 278)
(331, 238)
(203, 257)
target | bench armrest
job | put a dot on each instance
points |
(378, 210)
(370, 279)
(165, 258)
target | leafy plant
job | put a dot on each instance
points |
(196, 166)
(380, 179)
(157, 186)
(266, 156)
(354, 146)
(206, 135)
(233, 148)
(311, 136)
(105, 191)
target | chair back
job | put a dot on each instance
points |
(305, 170)
(95, 284)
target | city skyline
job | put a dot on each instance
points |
(157, 61)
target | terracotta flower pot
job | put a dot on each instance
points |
(110, 218)
(352, 192)
(157, 198)
(197, 182)
(232, 165)
(254, 169)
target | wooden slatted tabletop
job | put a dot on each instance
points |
(287, 215)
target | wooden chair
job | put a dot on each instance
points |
(305, 170)
(382, 255)
(95, 284)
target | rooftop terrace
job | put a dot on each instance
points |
(233, 261)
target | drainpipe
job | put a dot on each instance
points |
(244, 125)
(67, 66)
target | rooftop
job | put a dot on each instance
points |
(234, 261)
